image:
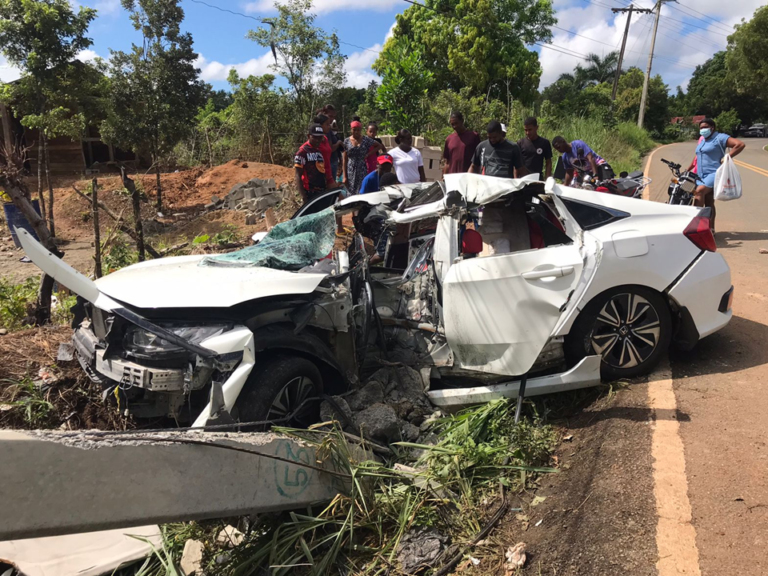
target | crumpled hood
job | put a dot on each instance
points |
(180, 282)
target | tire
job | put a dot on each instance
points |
(279, 386)
(630, 327)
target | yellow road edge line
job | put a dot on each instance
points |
(761, 171)
(675, 533)
(646, 170)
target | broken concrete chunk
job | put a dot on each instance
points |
(230, 537)
(215, 199)
(251, 219)
(338, 410)
(3, 331)
(266, 202)
(419, 549)
(410, 433)
(379, 422)
(370, 394)
(192, 558)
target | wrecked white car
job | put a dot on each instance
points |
(487, 281)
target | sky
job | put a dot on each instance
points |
(690, 31)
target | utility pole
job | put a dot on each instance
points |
(624, 42)
(641, 116)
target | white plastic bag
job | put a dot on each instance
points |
(727, 181)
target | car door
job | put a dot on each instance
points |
(501, 310)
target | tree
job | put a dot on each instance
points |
(478, 111)
(599, 70)
(473, 43)
(42, 38)
(155, 89)
(747, 55)
(256, 111)
(629, 96)
(728, 121)
(308, 58)
(403, 90)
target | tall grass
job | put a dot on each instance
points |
(622, 146)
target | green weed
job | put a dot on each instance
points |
(15, 300)
(30, 401)
(119, 254)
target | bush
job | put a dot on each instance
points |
(17, 300)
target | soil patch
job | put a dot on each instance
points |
(598, 516)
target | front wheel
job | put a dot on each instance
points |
(629, 327)
(284, 390)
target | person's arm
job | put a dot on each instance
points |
(735, 145)
(475, 167)
(519, 169)
(420, 160)
(298, 183)
(446, 158)
(592, 163)
(548, 168)
(568, 177)
(346, 172)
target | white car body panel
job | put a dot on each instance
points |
(186, 284)
(500, 310)
(700, 290)
(585, 374)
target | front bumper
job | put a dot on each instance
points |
(702, 289)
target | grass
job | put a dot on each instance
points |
(623, 146)
(452, 491)
(30, 401)
(17, 300)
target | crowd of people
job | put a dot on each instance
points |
(326, 161)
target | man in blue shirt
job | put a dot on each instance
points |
(371, 182)
(577, 155)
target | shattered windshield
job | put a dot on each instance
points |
(291, 245)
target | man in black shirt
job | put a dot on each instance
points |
(497, 156)
(536, 151)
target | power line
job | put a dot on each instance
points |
(263, 21)
(714, 20)
(694, 26)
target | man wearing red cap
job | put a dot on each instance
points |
(371, 182)
(312, 164)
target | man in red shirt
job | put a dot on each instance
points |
(459, 146)
(313, 164)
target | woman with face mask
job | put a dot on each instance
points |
(710, 152)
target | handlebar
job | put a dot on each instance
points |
(671, 164)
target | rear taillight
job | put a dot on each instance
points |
(700, 234)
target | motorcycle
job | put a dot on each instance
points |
(682, 185)
(627, 185)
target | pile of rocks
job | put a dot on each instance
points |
(391, 406)
(254, 196)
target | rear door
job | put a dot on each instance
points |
(501, 310)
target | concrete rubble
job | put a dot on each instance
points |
(389, 407)
(253, 197)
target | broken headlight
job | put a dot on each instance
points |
(142, 343)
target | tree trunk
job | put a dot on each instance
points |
(210, 150)
(269, 144)
(130, 185)
(40, 196)
(123, 228)
(159, 189)
(96, 232)
(20, 197)
(51, 223)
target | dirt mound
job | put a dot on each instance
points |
(221, 179)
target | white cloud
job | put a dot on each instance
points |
(8, 73)
(107, 7)
(678, 49)
(358, 67)
(87, 56)
(327, 6)
(211, 70)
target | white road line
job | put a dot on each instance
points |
(675, 533)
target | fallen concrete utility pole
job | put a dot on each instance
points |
(57, 483)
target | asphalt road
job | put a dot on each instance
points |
(721, 386)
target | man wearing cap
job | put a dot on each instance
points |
(313, 164)
(497, 156)
(371, 182)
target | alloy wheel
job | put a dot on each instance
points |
(292, 401)
(627, 331)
